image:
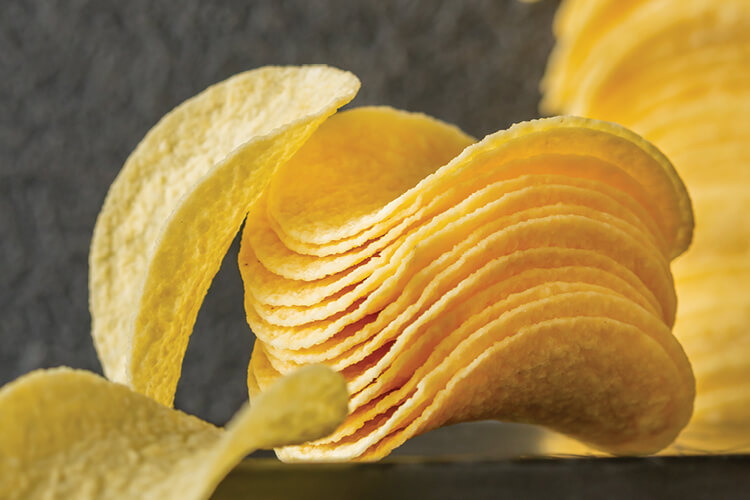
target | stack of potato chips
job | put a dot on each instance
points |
(525, 278)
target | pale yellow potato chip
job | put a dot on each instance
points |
(177, 204)
(71, 434)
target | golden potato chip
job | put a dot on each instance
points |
(504, 203)
(538, 264)
(371, 157)
(472, 256)
(411, 358)
(676, 72)
(570, 231)
(589, 20)
(388, 246)
(71, 434)
(651, 33)
(177, 204)
(464, 275)
(477, 392)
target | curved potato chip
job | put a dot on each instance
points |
(71, 434)
(572, 231)
(413, 262)
(544, 264)
(513, 201)
(378, 153)
(558, 346)
(178, 202)
(652, 32)
(562, 184)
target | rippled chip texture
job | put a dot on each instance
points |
(178, 202)
(523, 278)
(678, 73)
(71, 434)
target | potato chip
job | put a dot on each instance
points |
(378, 153)
(676, 72)
(512, 240)
(481, 258)
(71, 434)
(177, 204)
(392, 248)
(571, 231)
(514, 201)
(638, 42)
(511, 301)
(542, 264)
(568, 406)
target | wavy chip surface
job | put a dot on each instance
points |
(71, 434)
(677, 72)
(178, 202)
(525, 277)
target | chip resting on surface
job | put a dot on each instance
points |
(677, 72)
(71, 434)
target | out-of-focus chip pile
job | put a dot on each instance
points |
(678, 72)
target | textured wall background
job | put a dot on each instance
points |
(81, 81)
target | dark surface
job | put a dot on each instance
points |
(81, 81)
(569, 479)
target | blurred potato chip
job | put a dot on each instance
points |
(677, 72)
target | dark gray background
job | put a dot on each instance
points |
(81, 81)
